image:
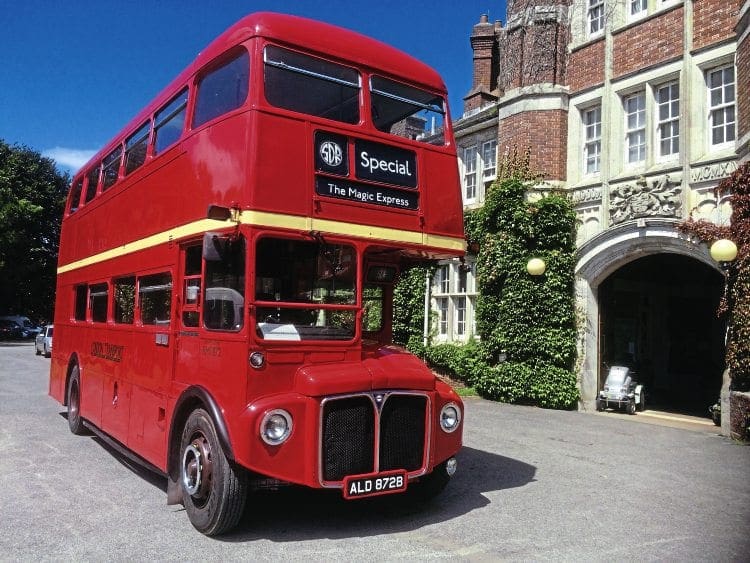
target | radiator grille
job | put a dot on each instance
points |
(348, 435)
(402, 433)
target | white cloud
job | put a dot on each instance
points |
(69, 159)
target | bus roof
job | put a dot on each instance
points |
(312, 36)
(326, 39)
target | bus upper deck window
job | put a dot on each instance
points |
(169, 122)
(93, 182)
(222, 89)
(135, 148)
(407, 111)
(111, 168)
(75, 195)
(310, 85)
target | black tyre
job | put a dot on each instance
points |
(47, 353)
(213, 489)
(642, 404)
(599, 405)
(38, 353)
(630, 409)
(75, 421)
(432, 484)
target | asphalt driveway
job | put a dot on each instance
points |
(532, 485)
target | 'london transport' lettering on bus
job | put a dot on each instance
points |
(107, 351)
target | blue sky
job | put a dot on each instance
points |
(74, 72)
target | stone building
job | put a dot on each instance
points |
(638, 108)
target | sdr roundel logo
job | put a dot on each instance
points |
(331, 153)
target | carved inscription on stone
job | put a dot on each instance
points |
(586, 195)
(713, 171)
(631, 201)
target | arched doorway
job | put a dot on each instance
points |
(658, 316)
(645, 290)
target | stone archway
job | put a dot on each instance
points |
(628, 249)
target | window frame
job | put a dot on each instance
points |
(141, 137)
(594, 141)
(441, 304)
(76, 191)
(96, 291)
(110, 169)
(153, 288)
(165, 115)
(470, 155)
(489, 172)
(117, 311)
(272, 101)
(640, 13)
(595, 13)
(722, 107)
(671, 121)
(460, 315)
(635, 120)
(212, 83)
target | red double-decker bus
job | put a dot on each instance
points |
(227, 264)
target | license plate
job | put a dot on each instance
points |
(359, 486)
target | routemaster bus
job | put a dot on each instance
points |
(227, 267)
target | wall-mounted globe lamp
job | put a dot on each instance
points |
(723, 251)
(536, 267)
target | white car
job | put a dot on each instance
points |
(621, 391)
(43, 341)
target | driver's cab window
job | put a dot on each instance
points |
(372, 308)
(378, 277)
(224, 295)
(305, 290)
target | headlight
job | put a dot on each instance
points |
(276, 427)
(450, 417)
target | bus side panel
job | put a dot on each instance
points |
(92, 378)
(116, 396)
(218, 158)
(147, 431)
(221, 370)
(57, 371)
(282, 167)
(151, 373)
(441, 197)
(108, 349)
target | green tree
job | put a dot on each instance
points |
(32, 198)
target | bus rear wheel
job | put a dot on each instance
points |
(213, 489)
(75, 421)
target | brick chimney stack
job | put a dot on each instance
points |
(484, 85)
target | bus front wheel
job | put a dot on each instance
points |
(75, 421)
(213, 489)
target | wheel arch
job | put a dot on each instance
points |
(72, 362)
(194, 397)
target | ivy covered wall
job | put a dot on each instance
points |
(526, 324)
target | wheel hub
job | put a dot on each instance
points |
(197, 468)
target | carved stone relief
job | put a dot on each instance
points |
(659, 199)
